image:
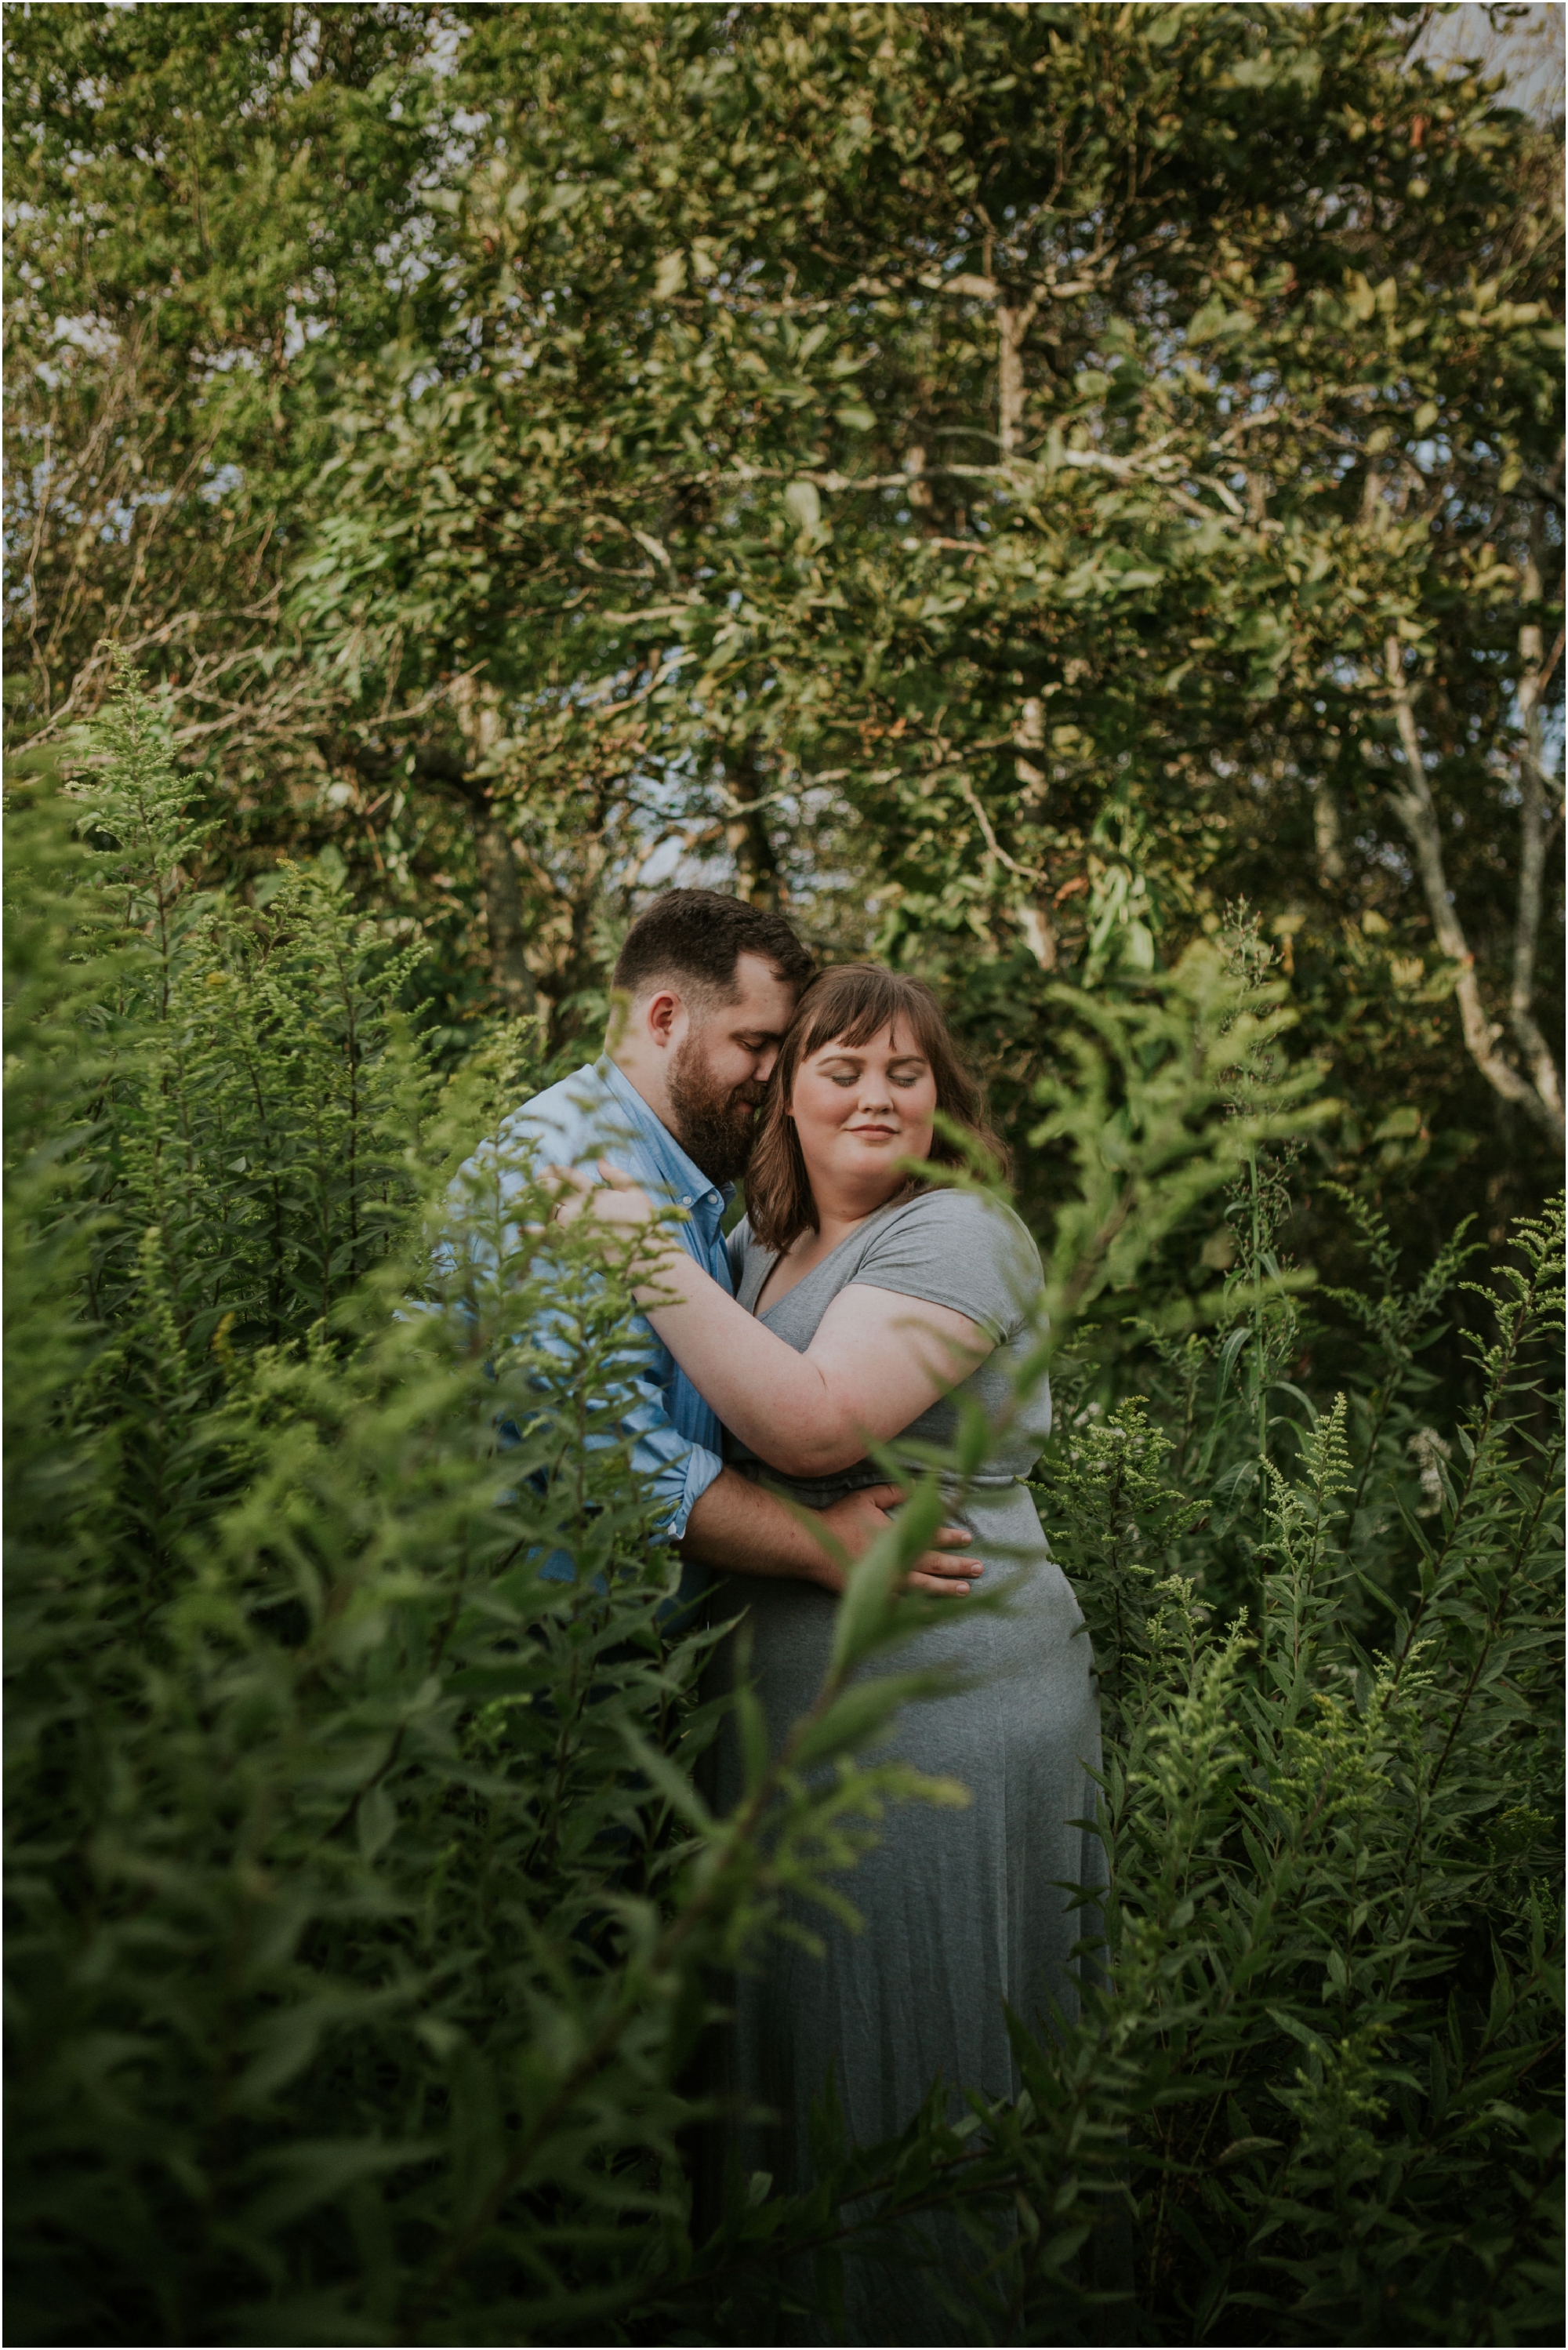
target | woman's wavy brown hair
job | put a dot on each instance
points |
(849, 1005)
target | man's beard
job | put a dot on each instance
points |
(717, 1123)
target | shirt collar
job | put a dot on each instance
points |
(685, 1178)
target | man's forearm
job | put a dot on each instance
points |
(737, 1526)
(740, 1529)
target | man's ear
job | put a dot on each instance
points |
(663, 1010)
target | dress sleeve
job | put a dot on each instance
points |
(957, 1249)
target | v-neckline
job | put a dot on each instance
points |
(760, 1312)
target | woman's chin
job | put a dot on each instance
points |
(878, 1171)
(872, 1170)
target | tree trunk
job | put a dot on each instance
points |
(1325, 837)
(499, 887)
(1532, 826)
(1542, 1099)
(500, 891)
(759, 878)
(1012, 325)
(1028, 738)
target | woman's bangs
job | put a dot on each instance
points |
(849, 1005)
(872, 1001)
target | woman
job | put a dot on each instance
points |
(869, 1306)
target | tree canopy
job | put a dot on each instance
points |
(1006, 482)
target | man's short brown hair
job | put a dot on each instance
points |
(699, 936)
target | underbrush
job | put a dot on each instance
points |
(366, 1912)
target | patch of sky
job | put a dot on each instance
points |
(88, 332)
(221, 484)
(1524, 44)
(1393, 860)
(439, 54)
(120, 519)
(298, 331)
(305, 52)
(660, 867)
(409, 255)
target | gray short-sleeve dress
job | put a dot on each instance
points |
(964, 1911)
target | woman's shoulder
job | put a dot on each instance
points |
(977, 1216)
(960, 1248)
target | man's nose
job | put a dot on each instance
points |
(767, 1061)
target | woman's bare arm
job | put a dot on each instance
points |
(878, 1359)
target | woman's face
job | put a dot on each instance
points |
(857, 1109)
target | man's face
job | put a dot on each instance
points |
(722, 1068)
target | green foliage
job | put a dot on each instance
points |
(362, 1897)
(1140, 1120)
(367, 1910)
(1335, 1911)
(264, 1048)
(960, 471)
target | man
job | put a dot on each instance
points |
(710, 984)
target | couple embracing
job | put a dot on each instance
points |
(853, 1305)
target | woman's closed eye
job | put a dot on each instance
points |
(909, 1075)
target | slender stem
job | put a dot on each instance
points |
(1390, 1388)
(1262, 1400)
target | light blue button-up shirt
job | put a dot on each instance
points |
(597, 1113)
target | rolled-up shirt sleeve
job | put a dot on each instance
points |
(675, 1471)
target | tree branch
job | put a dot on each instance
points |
(1418, 813)
(1532, 862)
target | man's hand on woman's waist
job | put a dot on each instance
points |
(741, 1529)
